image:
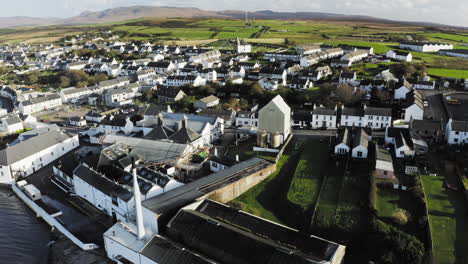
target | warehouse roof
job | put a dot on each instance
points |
(27, 148)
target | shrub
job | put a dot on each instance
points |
(401, 216)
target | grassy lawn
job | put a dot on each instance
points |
(286, 195)
(459, 74)
(328, 202)
(448, 221)
(387, 202)
(307, 179)
(263, 199)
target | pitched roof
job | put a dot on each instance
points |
(360, 138)
(102, 183)
(377, 111)
(33, 145)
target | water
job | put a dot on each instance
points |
(23, 237)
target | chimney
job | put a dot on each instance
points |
(137, 196)
(160, 119)
(237, 158)
(185, 122)
(216, 151)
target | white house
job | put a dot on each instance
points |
(456, 132)
(347, 77)
(343, 142)
(94, 116)
(400, 93)
(399, 55)
(72, 94)
(27, 157)
(377, 118)
(308, 49)
(176, 81)
(309, 60)
(352, 117)
(403, 146)
(424, 85)
(38, 104)
(209, 101)
(360, 144)
(11, 123)
(119, 96)
(415, 108)
(324, 118)
(78, 121)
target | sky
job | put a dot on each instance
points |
(451, 12)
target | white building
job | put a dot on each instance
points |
(399, 55)
(209, 101)
(400, 93)
(38, 104)
(424, 85)
(425, 46)
(242, 46)
(11, 123)
(73, 94)
(377, 118)
(462, 53)
(360, 146)
(119, 96)
(29, 156)
(456, 132)
(352, 117)
(324, 118)
(347, 77)
(343, 142)
(176, 81)
(274, 122)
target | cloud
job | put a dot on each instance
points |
(447, 12)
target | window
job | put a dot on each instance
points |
(385, 173)
(214, 165)
(52, 153)
(63, 149)
(359, 154)
(402, 153)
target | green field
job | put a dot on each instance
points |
(448, 221)
(459, 74)
(307, 179)
(447, 37)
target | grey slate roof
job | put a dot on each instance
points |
(376, 111)
(102, 183)
(25, 149)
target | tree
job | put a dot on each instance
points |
(345, 92)
(232, 104)
(64, 82)
(256, 90)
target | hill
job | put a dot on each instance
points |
(136, 12)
